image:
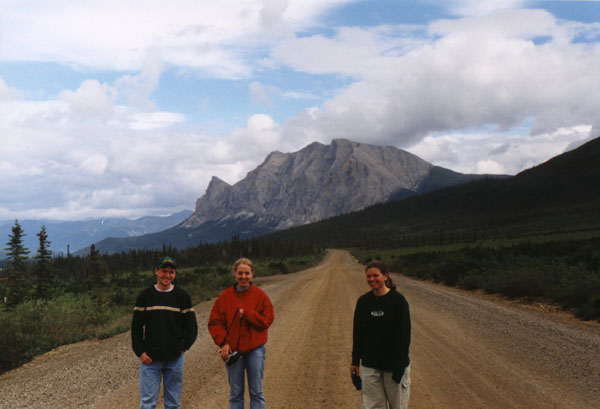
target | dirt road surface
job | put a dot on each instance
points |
(468, 351)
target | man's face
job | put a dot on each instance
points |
(164, 277)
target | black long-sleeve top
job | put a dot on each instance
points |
(164, 323)
(381, 335)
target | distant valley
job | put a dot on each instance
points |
(76, 235)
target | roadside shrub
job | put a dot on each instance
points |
(450, 272)
(278, 268)
(114, 330)
(563, 271)
(123, 296)
(590, 310)
(471, 280)
(202, 270)
(35, 327)
(185, 277)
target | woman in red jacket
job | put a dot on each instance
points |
(238, 324)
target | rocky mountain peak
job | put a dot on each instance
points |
(314, 183)
(216, 186)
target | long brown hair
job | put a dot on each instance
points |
(383, 270)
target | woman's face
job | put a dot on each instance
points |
(375, 279)
(243, 275)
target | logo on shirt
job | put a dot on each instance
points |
(377, 313)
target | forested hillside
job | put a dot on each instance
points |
(560, 195)
(534, 235)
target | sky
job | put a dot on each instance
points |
(124, 108)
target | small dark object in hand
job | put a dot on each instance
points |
(232, 358)
(356, 381)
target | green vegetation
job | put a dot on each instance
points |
(56, 301)
(564, 270)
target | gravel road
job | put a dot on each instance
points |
(468, 350)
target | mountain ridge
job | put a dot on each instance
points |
(75, 235)
(290, 189)
(558, 196)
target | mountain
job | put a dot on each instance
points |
(558, 196)
(292, 189)
(75, 235)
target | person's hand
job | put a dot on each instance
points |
(397, 375)
(145, 359)
(241, 313)
(225, 351)
(355, 375)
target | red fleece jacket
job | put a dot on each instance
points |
(257, 318)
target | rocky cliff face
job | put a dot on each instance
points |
(317, 182)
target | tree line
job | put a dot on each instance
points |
(46, 275)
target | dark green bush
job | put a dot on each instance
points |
(564, 272)
(590, 309)
(278, 268)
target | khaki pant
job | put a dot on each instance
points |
(379, 389)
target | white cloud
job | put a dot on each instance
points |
(137, 89)
(268, 94)
(154, 120)
(95, 165)
(488, 93)
(489, 167)
(6, 92)
(120, 34)
(496, 153)
(470, 73)
(83, 156)
(354, 51)
(260, 137)
(478, 7)
(91, 99)
(272, 12)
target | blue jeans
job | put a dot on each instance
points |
(172, 376)
(253, 363)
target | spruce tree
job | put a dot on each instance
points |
(98, 275)
(97, 270)
(21, 284)
(43, 270)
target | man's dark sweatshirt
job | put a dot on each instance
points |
(381, 337)
(164, 323)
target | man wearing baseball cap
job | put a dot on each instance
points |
(162, 329)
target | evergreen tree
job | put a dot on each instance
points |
(98, 274)
(97, 269)
(22, 285)
(43, 270)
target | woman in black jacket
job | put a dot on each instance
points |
(381, 340)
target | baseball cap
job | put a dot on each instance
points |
(166, 261)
